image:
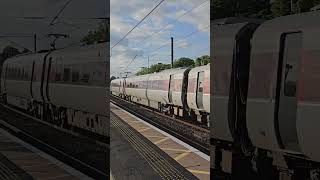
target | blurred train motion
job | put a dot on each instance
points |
(66, 87)
(181, 92)
(265, 96)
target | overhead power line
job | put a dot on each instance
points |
(61, 10)
(172, 22)
(181, 38)
(138, 24)
(131, 62)
(184, 37)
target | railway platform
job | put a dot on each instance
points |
(21, 161)
(137, 141)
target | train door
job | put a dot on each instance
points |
(170, 87)
(46, 80)
(199, 92)
(287, 90)
(31, 79)
(4, 83)
(124, 84)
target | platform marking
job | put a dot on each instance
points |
(60, 164)
(171, 149)
(144, 129)
(183, 155)
(196, 151)
(111, 178)
(153, 158)
(161, 140)
(57, 177)
(133, 122)
(152, 136)
(40, 164)
(199, 172)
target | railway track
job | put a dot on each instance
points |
(84, 154)
(196, 136)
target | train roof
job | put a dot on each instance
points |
(234, 20)
(94, 51)
(307, 23)
(315, 8)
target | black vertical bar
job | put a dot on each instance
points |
(171, 52)
(35, 42)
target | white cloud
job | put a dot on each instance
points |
(154, 31)
(183, 44)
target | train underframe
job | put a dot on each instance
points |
(229, 162)
(91, 125)
(170, 110)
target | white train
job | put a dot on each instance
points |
(182, 92)
(265, 97)
(66, 87)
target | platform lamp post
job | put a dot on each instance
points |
(171, 52)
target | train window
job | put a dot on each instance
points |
(75, 76)
(66, 74)
(293, 45)
(58, 76)
(200, 81)
(85, 77)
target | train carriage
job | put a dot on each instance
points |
(165, 89)
(169, 91)
(198, 93)
(265, 97)
(283, 88)
(135, 89)
(178, 84)
(66, 87)
(116, 87)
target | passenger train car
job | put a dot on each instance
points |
(66, 87)
(265, 96)
(182, 92)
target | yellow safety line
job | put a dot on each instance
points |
(154, 136)
(111, 177)
(144, 129)
(161, 140)
(182, 155)
(171, 149)
(198, 172)
(134, 122)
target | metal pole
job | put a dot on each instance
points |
(35, 42)
(148, 64)
(171, 52)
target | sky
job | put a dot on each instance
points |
(70, 21)
(187, 21)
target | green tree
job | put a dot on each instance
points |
(203, 60)
(221, 9)
(102, 34)
(281, 8)
(153, 68)
(306, 5)
(183, 62)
